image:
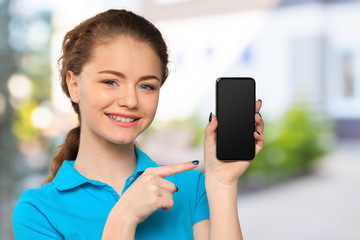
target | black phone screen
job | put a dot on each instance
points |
(235, 111)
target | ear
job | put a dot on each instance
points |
(72, 82)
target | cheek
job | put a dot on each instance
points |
(150, 104)
(92, 99)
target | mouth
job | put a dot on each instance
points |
(122, 119)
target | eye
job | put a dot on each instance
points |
(110, 82)
(146, 87)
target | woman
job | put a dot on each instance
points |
(101, 185)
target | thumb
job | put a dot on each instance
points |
(210, 131)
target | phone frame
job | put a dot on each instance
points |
(252, 156)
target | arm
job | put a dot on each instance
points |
(224, 222)
(119, 226)
(221, 180)
(222, 199)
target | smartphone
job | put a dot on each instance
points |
(235, 111)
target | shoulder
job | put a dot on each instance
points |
(32, 195)
(36, 201)
(32, 198)
(29, 215)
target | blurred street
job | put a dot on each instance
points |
(324, 205)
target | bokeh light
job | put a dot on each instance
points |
(42, 117)
(19, 86)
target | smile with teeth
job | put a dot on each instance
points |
(122, 119)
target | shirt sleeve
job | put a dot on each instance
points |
(30, 223)
(202, 206)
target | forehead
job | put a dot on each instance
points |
(125, 54)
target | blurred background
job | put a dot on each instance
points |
(303, 54)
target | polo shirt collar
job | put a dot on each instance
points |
(68, 177)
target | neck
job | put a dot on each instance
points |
(102, 160)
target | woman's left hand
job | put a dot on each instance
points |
(228, 172)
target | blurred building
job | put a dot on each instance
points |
(303, 50)
(297, 50)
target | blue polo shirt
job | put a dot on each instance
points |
(75, 207)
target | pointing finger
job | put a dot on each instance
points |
(169, 170)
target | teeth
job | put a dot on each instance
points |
(121, 119)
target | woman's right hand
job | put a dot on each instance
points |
(151, 192)
(146, 195)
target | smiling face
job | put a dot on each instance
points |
(117, 90)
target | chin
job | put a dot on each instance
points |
(122, 140)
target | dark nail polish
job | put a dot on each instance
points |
(177, 189)
(260, 114)
(195, 162)
(258, 132)
(210, 117)
(259, 100)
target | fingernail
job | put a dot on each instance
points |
(195, 162)
(177, 189)
(259, 100)
(258, 133)
(260, 114)
(210, 117)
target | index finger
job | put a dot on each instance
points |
(166, 171)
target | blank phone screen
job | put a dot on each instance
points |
(235, 110)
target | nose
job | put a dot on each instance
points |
(128, 97)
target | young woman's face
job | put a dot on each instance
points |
(117, 90)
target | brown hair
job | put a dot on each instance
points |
(77, 50)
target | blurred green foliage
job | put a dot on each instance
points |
(293, 144)
(23, 127)
(195, 125)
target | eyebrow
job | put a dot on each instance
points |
(122, 75)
